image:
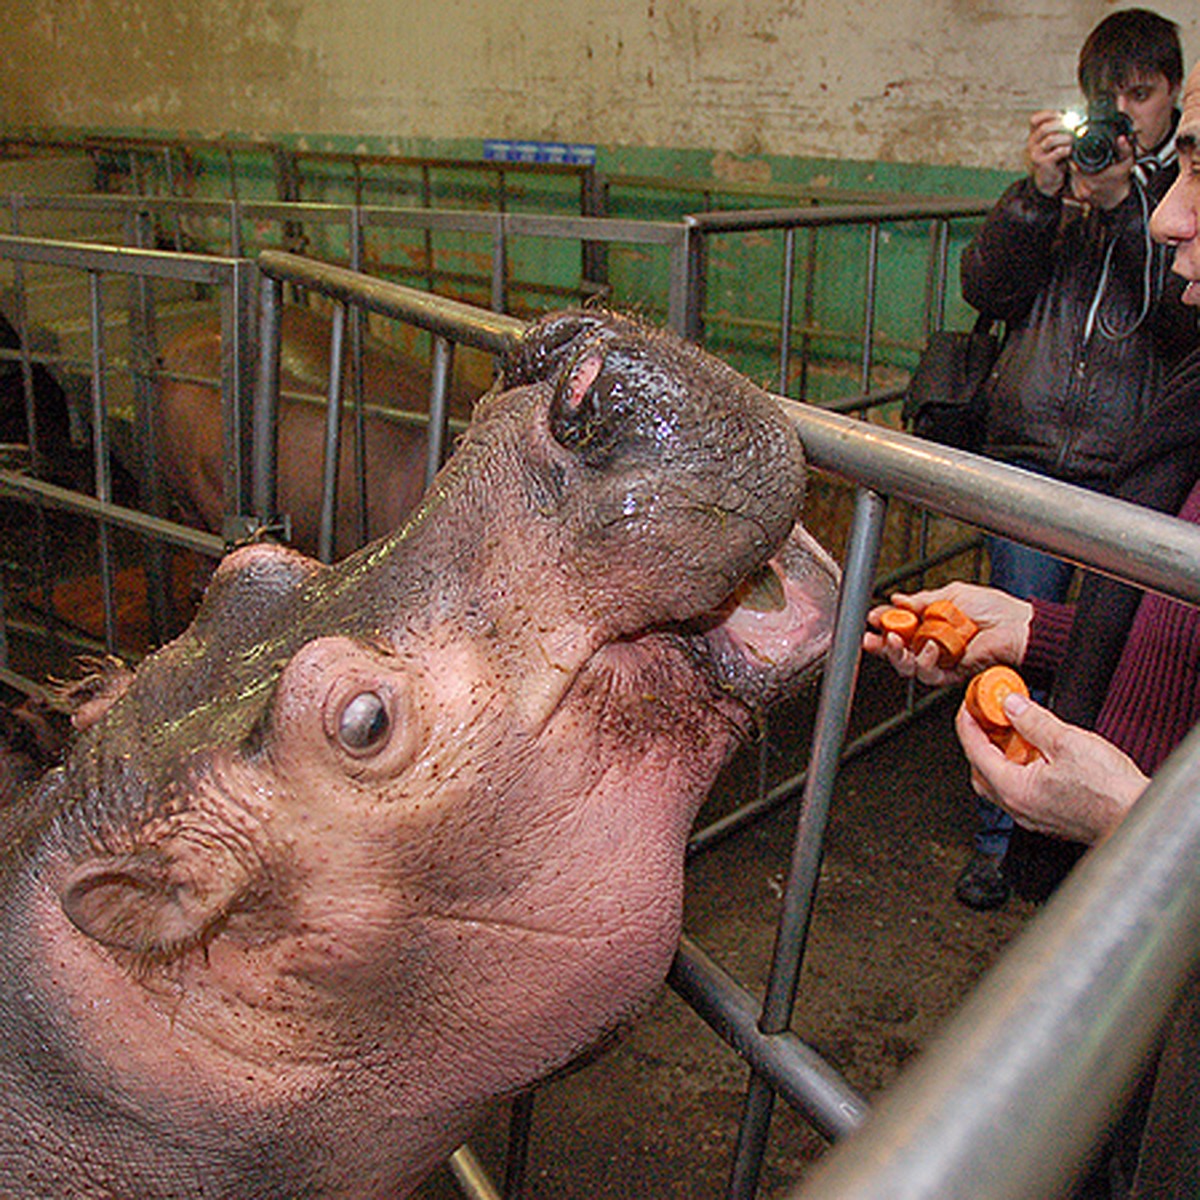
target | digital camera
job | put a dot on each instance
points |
(1095, 145)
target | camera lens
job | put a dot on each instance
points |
(1095, 145)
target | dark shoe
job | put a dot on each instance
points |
(981, 884)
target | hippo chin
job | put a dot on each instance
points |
(372, 843)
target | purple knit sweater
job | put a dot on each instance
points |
(1154, 697)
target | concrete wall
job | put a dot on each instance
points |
(940, 82)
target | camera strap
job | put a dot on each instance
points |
(1095, 319)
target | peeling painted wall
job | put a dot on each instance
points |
(945, 82)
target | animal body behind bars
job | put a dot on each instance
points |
(372, 843)
(395, 447)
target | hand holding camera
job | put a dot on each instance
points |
(1091, 155)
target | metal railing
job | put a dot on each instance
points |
(1090, 1024)
(1074, 1007)
(791, 221)
(354, 224)
(234, 282)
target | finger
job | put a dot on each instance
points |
(992, 775)
(1035, 723)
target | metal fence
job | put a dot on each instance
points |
(234, 284)
(1080, 1032)
(353, 235)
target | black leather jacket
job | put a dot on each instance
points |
(1093, 324)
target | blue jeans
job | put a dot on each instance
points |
(1025, 573)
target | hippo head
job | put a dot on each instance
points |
(373, 842)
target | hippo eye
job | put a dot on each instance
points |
(364, 724)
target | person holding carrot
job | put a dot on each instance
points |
(1092, 321)
(1120, 714)
(1143, 687)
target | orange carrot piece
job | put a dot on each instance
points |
(900, 621)
(985, 697)
(947, 610)
(950, 641)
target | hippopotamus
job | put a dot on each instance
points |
(191, 440)
(373, 843)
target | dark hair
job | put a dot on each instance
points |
(1133, 42)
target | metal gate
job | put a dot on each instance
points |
(1074, 1005)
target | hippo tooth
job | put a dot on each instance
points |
(761, 591)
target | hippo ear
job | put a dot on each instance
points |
(159, 901)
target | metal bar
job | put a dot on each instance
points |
(833, 716)
(13, 483)
(810, 306)
(678, 268)
(809, 1084)
(439, 409)
(100, 459)
(743, 220)
(462, 323)
(470, 1176)
(427, 202)
(696, 282)
(147, 407)
(520, 1127)
(357, 340)
(327, 533)
(935, 311)
(236, 437)
(868, 348)
(235, 228)
(122, 260)
(499, 264)
(785, 313)
(265, 500)
(1126, 540)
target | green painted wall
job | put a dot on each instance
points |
(744, 281)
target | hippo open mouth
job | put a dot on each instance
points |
(777, 625)
(694, 484)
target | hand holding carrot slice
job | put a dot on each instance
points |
(984, 700)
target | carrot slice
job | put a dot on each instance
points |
(947, 610)
(900, 621)
(950, 641)
(985, 697)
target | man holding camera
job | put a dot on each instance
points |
(1093, 319)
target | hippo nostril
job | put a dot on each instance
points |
(577, 412)
(538, 355)
(364, 724)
